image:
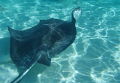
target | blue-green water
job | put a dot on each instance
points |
(94, 57)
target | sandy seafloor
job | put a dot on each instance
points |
(94, 57)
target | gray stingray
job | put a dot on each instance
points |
(41, 42)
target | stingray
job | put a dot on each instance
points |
(42, 42)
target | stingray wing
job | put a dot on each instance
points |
(24, 45)
(19, 47)
(18, 35)
(49, 36)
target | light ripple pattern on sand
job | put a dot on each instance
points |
(94, 57)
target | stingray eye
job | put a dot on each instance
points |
(77, 13)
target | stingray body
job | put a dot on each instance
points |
(41, 42)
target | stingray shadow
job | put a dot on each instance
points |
(4, 50)
(4, 46)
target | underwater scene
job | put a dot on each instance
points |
(94, 56)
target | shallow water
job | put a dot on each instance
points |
(94, 57)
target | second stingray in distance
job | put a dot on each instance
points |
(42, 42)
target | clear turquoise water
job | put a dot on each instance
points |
(94, 57)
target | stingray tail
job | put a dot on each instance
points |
(34, 60)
